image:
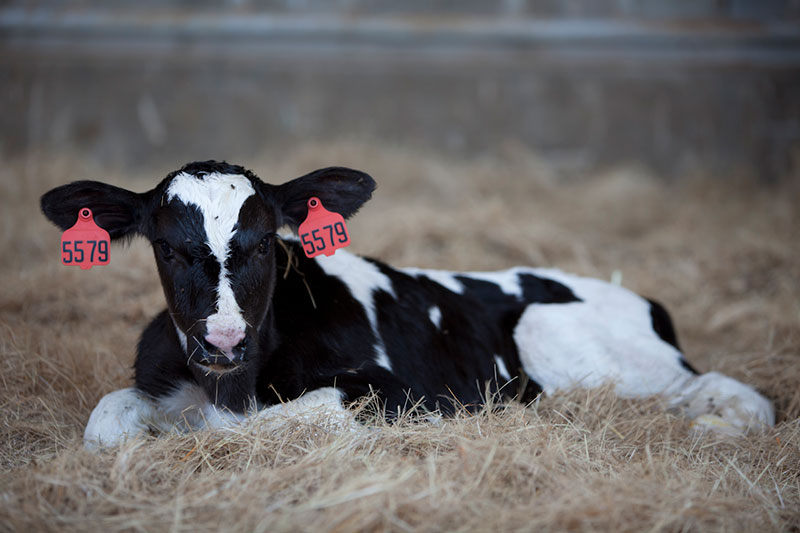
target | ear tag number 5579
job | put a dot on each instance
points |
(323, 231)
(85, 244)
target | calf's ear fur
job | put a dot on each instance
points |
(342, 190)
(116, 210)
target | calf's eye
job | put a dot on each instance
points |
(263, 246)
(166, 250)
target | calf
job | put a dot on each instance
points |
(251, 322)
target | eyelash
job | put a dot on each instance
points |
(166, 250)
(263, 246)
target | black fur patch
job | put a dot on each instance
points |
(662, 325)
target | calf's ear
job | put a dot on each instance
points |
(116, 210)
(342, 190)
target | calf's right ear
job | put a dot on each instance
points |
(116, 210)
(342, 190)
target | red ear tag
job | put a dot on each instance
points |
(85, 244)
(323, 231)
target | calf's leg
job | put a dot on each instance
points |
(589, 343)
(120, 415)
(717, 402)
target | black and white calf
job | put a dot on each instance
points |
(253, 325)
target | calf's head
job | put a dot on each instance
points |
(212, 226)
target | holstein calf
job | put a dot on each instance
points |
(252, 324)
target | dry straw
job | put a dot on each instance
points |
(724, 257)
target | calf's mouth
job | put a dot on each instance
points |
(221, 369)
(212, 359)
(217, 363)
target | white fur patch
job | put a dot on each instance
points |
(219, 197)
(443, 277)
(363, 279)
(181, 337)
(501, 368)
(184, 407)
(320, 406)
(382, 358)
(606, 337)
(189, 408)
(119, 415)
(435, 314)
(507, 280)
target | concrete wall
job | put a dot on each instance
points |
(682, 87)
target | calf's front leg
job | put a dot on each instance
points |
(126, 413)
(120, 415)
(323, 406)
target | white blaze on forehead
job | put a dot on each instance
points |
(219, 197)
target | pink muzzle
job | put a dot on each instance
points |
(225, 339)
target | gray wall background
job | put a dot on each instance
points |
(682, 87)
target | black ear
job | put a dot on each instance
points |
(116, 210)
(340, 189)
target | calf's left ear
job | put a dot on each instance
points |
(116, 210)
(342, 190)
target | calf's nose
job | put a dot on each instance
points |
(225, 339)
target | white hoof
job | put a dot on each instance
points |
(722, 404)
(119, 415)
(715, 424)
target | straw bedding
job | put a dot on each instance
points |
(722, 255)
